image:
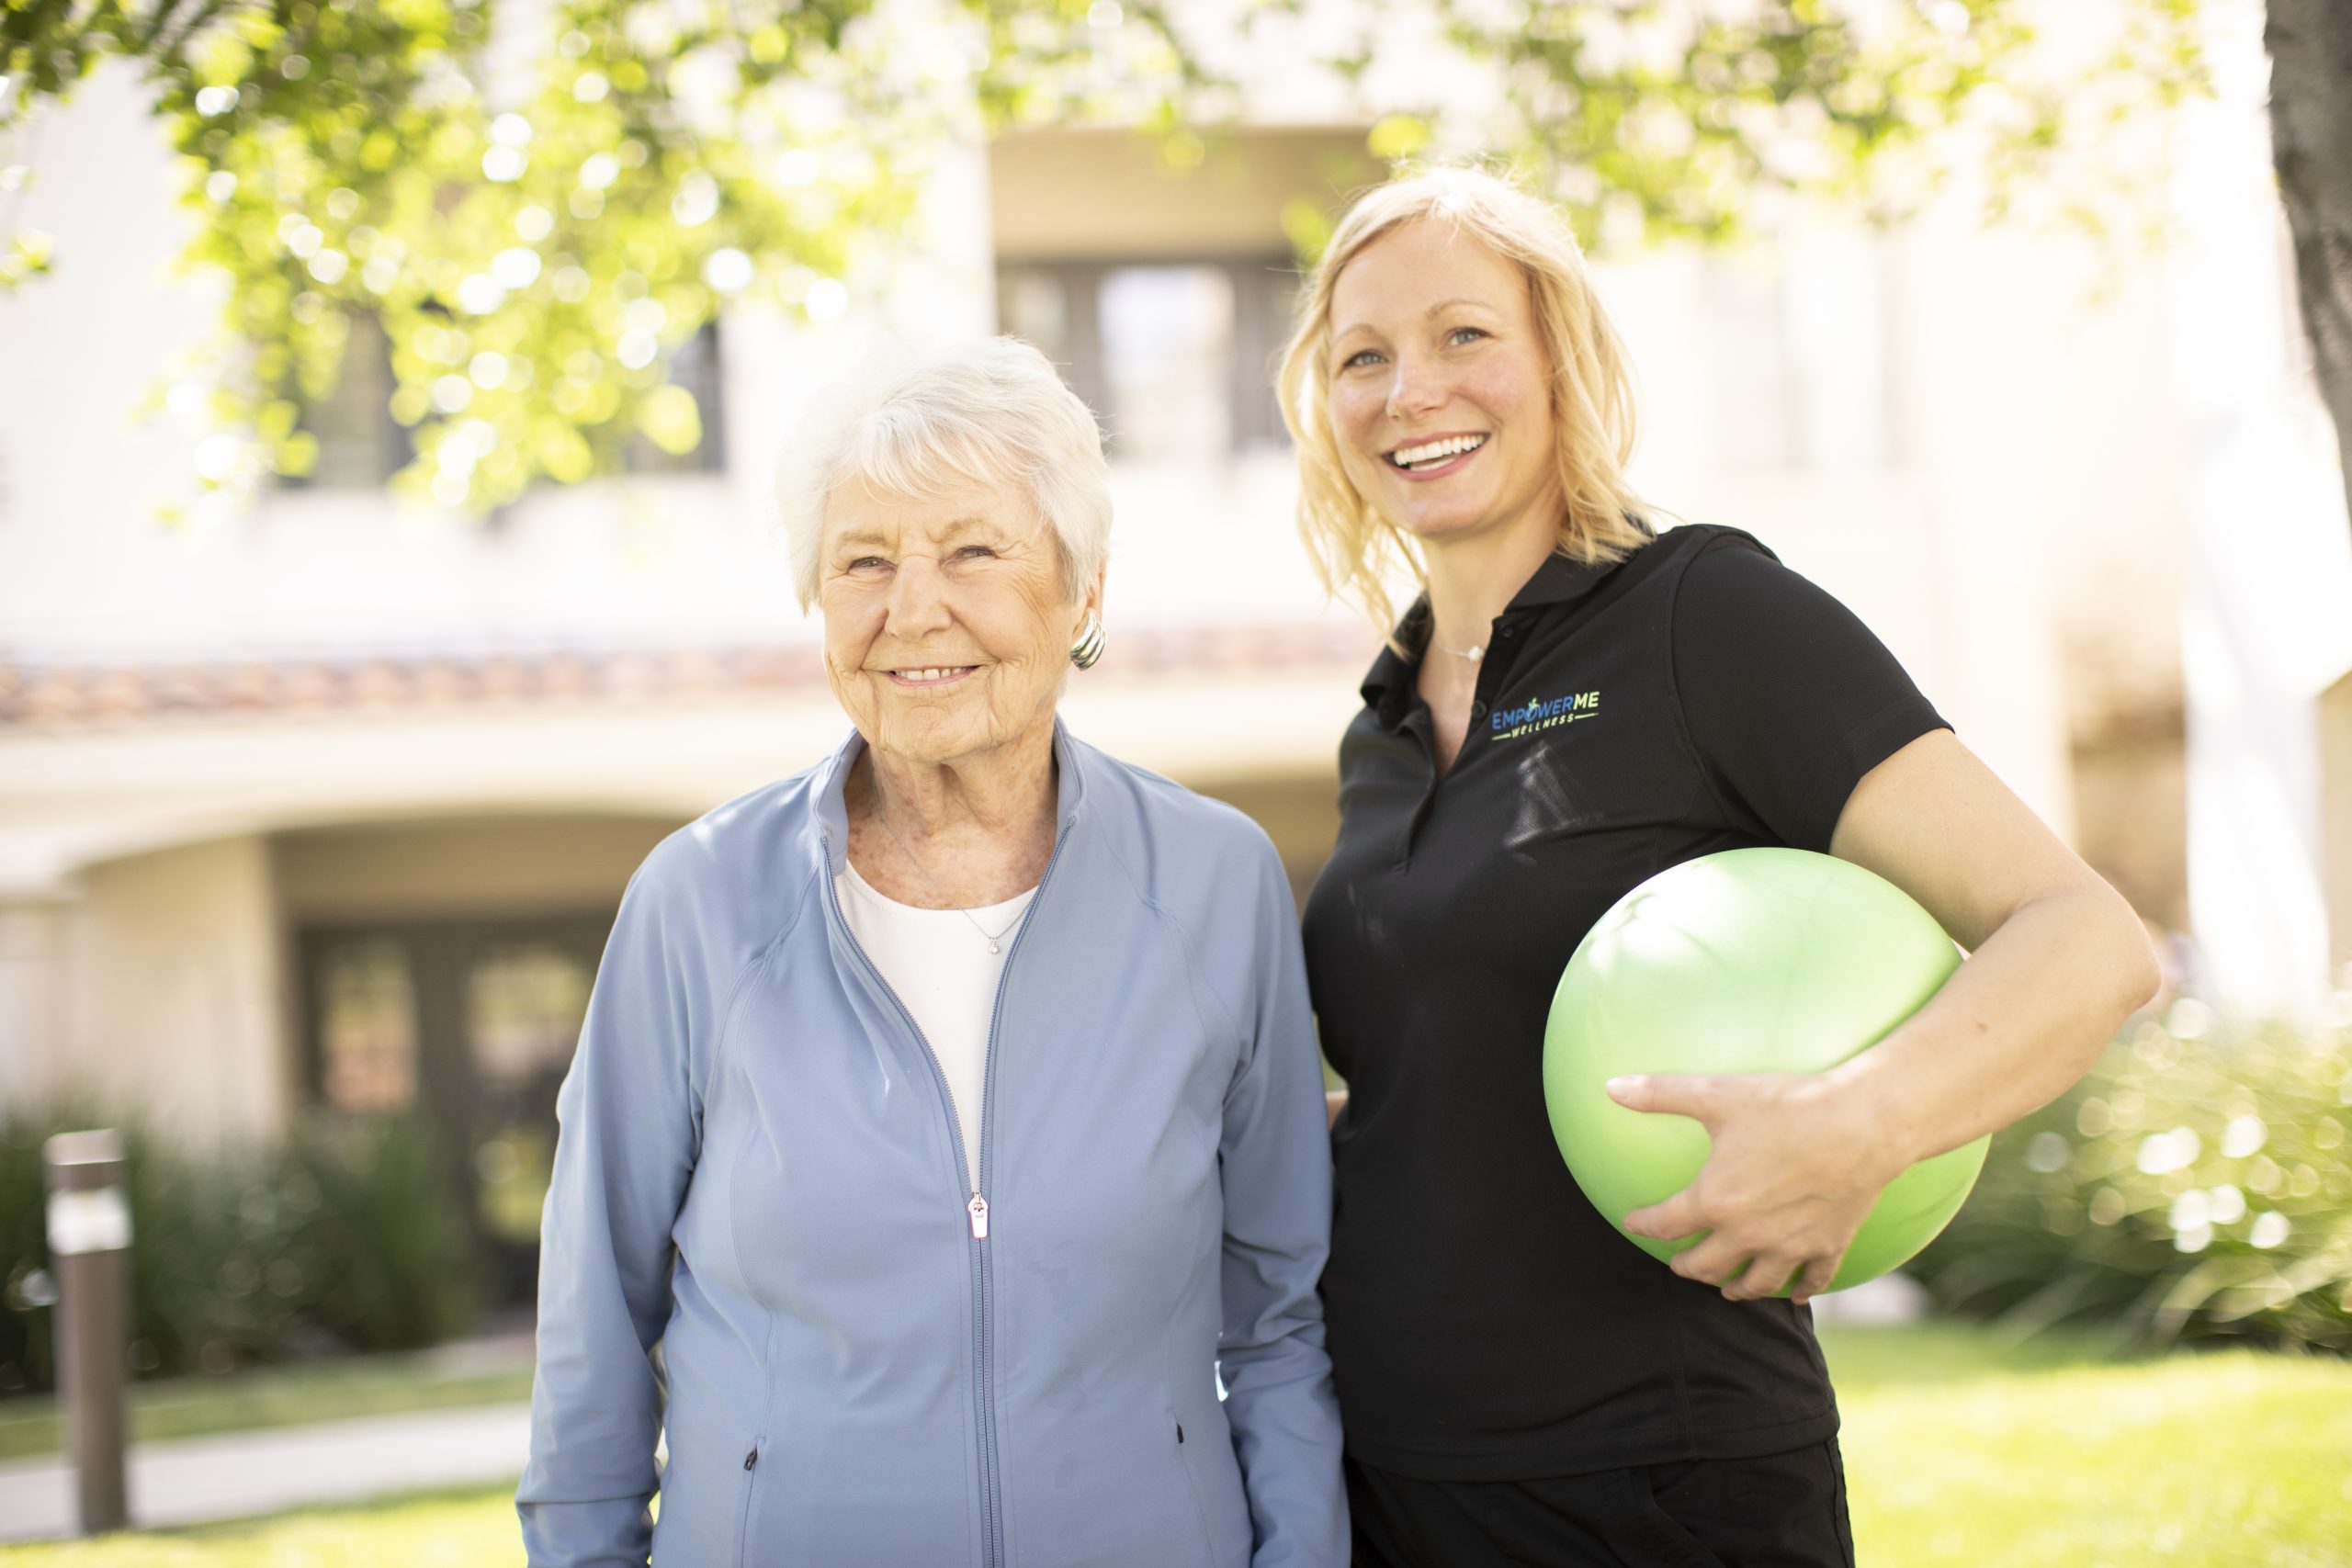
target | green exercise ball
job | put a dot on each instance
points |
(1749, 961)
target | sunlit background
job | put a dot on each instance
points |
(386, 565)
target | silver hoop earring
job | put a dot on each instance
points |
(1088, 646)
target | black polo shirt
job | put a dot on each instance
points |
(1486, 1322)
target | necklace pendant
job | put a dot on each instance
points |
(992, 947)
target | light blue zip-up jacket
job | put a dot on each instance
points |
(760, 1236)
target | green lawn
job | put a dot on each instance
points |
(1961, 1449)
(277, 1396)
(438, 1529)
(2045, 1458)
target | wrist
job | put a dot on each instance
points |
(1868, 1117)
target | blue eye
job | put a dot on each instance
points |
(1458, 332)
(1361, 356)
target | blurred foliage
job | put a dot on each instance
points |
(538, 210)
(2196, 1185)
(1660, 119)
(344, 1237)
(536, 221)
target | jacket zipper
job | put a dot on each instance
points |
(979, 1212)
(975, 1207)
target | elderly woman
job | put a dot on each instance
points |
(1520, 1385)
(947, 1117)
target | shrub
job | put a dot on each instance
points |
(26, 1350)
(343, 1236)
(382, 1245)
(2196, 1184)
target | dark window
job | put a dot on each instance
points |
(361, 446)
(360, 443)
(1176, 355)
(695, 364)
(366, 1026)
(471, 1024)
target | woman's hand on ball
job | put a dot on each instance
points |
(1791, 1176)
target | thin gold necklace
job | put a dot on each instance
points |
(992, 938)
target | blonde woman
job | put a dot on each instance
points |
(1573, 703)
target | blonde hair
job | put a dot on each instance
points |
(1352, 546)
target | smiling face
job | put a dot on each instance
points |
(947, 626)
(1440, 387)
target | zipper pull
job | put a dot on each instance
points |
(978, 1208)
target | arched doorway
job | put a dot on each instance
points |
(442, 968)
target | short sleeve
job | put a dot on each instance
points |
(1786, 696)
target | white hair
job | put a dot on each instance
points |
(991, 410)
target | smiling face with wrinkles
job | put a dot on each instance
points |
(947, 622)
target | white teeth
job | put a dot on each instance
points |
(1407, 456)
(938, 672)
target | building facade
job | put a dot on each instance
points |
(330, 802)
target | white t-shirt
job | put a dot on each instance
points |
(943, 970)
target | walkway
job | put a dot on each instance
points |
(240, 1474)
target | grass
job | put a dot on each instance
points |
(433, 1529)
(278, 1396)
(1960, 1447)
(1866, 1361)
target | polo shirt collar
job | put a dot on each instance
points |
(1559, 579)
(1388, 685)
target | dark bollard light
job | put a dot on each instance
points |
(89, 1248)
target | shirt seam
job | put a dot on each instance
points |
(758, 960)
(722, 1043)
(1674, 687)
(1850, 748)
(1194, 987)
(1193, 983)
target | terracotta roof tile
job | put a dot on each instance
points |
(52, 696)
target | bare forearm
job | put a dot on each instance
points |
(2024, 1018)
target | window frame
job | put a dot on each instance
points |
(1260, 280)
(639, 457)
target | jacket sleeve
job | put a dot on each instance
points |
(629, 1125)
(1275, 1165)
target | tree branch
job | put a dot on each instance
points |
(2310, 141)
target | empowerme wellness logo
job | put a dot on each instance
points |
(1544, 713)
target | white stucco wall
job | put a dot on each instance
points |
(175, 995)
(33, 1017)
(2335, 828)
(2029, 498)
(513, 866)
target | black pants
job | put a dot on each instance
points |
(1781, 1511)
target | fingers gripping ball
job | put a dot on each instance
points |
(1750, 961)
